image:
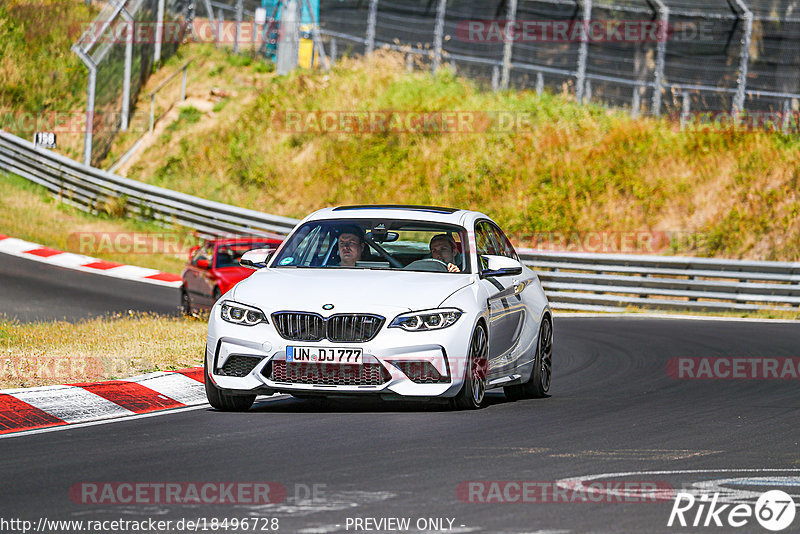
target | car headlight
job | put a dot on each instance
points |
(426, 320)
(236, 313)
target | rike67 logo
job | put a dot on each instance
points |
(774, 510)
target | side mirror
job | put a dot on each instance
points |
(256, 258)
(203, 264)
(193, 250)
(499, 266)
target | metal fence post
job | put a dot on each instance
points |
(210, 12)
(636, 103)
(508, 49)
(744, 58)
(658, 78)
(289, 42)
(539, 83)
(438, 35)
(583, 52)
(90, 97)
(333, 50)
(372, 22)
(159, 32)
(126, 82)
(786, 114)
(239, 10)
(316, 35)
(684, 109)
(220, 20)
(183, 83)
(495, 78)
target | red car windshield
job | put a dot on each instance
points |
(229, 255)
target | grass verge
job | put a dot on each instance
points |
(30, 213)
(46, 353)
(568, 169)
(39, 74)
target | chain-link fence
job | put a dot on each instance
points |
(649, 56)
(119, 49)
(654, 57)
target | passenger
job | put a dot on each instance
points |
(443, 248)
(351, 246)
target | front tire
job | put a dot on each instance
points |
(224, 402)
(473, 391)
(186, 303)
(538, 384)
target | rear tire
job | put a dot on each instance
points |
(538, 384)
(473, 391)
(224, 402)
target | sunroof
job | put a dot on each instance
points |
(434, 209)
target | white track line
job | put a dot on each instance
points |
(62, 428)
(78, 262)
(635, 315)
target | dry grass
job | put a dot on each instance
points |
(44, 353)
(575, 169)
(29, 213)
(39, 74)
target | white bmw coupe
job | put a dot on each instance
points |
(410, 302)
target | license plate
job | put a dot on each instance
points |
(338, 355)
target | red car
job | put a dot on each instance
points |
(214, 268)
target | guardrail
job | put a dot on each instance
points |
(94, 189)
(575, 281)
(613, 282)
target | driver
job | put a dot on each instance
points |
(443, 248)
(351, 245)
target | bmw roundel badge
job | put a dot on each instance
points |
(327, 307)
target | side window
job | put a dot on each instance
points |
(305, 251)
(504, 245)
(202, 253)
(484, 240)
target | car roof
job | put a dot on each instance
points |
(244, 240)
(398, 211)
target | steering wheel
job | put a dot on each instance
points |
(428, 264)
(394, 262)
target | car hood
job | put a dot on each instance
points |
(349, 290)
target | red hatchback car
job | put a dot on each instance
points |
(214, 268)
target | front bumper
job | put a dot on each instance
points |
(396, 362)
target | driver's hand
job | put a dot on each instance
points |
(453, 268)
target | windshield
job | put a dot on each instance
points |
(390, 245)
(228, 255)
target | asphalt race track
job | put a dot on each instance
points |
(31, 291)
(613, 409)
